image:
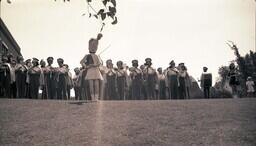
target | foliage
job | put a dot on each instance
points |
(107, 11)
(246, 67)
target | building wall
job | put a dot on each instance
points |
(7, 42)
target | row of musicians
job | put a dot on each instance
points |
(24, 79)
(136, 83)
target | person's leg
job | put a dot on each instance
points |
(205, 92)
(31, 87)
(23, 86)
(14, 90)
(234, 91)
(17, 86)
(68, 91)
(76, 93)
(7, 88)
(64, 88)
(188, 93)
(101, 89)
(97, 89)
(209, 92)
(91, 86)
(175, 91)
(37, 88)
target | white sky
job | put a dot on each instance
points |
(190, 31)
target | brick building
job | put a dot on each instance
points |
(7, 42)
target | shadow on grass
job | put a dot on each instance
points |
(81, 102)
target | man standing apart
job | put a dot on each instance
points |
(206, 82)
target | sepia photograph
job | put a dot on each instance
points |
(127, 72)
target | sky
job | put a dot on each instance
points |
(190, 31)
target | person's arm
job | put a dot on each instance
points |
(83, 61)
(201, 80)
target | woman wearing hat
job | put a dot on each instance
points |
(77, 85)
(161, 87)
(43, 87)
(28, 64)
(91, 62)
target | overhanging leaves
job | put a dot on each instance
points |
(113, 2)
(115, 21)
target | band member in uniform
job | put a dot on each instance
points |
(13, 79)
(28, 65)
(121, 80)
(188, 83)
(111, 88)
(136, 78)
(172, 80)
(43, 87)
(77, 83)
(21, 75)
(144, 95)
(61, 79)
(35, 78)
(150, 75)
(50, 79)
(5, 77)
(128, 82)
(206, 82)
(182, 81)
(161, 84)
(92, 62)
(69, 81)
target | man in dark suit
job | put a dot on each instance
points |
(206, 82)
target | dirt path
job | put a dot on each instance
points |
(227, 122)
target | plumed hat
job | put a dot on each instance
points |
(135, 61)
(148, 59)
(60, 60)
(28, 60)
(172, 62)
(35, 60)
(20, 58)
(119, 63)
(49, 58)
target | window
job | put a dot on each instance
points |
(4, 48)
